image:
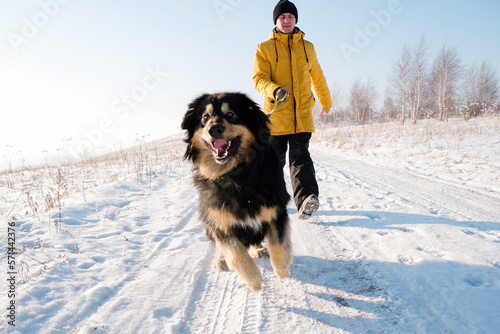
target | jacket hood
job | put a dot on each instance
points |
(279, 36)
(288, 39)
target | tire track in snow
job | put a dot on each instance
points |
(251, 313)
(438, 196)
(423, 299)
(339, 277)
(225, 304)
(218, 309)
(149, 266)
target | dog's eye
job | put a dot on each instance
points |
(205, 117)
(230, 114)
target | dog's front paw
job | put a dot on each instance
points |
(282, 273)
(256, 286)
(258, 252)
(281, 265)
(220, 264)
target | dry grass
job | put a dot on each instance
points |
(393, 135)
(40, 191)
(468, 151)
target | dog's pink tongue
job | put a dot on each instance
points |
(220, 144)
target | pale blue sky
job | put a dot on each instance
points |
(101, 71)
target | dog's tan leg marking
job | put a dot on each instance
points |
(280, 252)
(238, 260)
(266, 214)
(220, 262)
(223, 219)
(257, 251)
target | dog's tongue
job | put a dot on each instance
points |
(220, 144)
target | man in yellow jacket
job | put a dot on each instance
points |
(285, 69)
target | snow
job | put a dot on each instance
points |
(406, 240)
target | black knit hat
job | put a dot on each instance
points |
(285, 6)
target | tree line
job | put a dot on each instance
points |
(420, 88)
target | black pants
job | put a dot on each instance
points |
(302, 173)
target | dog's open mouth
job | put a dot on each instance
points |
(223, 150)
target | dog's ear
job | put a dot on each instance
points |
(259, 122)
(262, 117)
(190, 123)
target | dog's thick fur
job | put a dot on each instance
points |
(243, 196)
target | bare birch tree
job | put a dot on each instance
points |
(337, 102)
(480, 91)
(355, 100)
(417, 75)
(390, 108)
(363, 96)
(369, 96)
(445, 74)
(400, 79)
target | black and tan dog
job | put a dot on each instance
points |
(243, 196)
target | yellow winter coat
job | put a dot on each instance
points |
(290, 61)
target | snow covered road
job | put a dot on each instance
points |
(431, 245)
(390, 250)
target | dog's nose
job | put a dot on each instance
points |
(216, 130)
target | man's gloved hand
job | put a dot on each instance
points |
(282, 94)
